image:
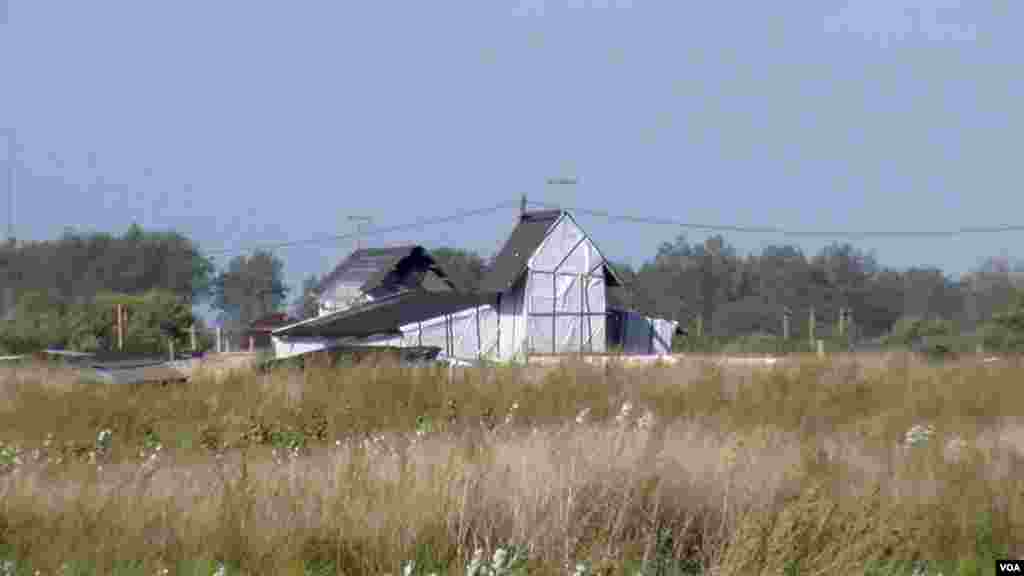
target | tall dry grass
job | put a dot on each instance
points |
(799, 469)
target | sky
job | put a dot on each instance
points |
(249, 123)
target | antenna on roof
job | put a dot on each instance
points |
(522, 206)
(359, 227)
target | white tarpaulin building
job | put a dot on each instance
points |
(547, 292)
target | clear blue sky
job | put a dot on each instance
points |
(250, 122)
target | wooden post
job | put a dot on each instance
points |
(785, 323)
(192, 337)
(219, 341)
(170, 347)
(120, 328)
(811, 322)
(252, 344)
(821, 348)
(842, 321)
(700, 325)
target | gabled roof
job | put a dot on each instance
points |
(369, 267)
(510, 262)
(528, 235)
(384, 316)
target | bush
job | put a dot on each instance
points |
(756, 343)
(1005, 332)
(42, 321)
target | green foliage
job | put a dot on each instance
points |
(911, 330)
(251, 286)
(42, 321)
(1005, 332)
(77, 266)
(306, 305)
(757, 343)
(934, 337)
(465, 268)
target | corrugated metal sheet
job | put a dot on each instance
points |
(384, 316)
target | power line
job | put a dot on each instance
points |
(788, 232)
(398, 228)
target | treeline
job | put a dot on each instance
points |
(730, 296)
(64, 293)
(66, 289)
(737, 302)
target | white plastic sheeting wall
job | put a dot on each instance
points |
(511, 341)
(565, 293)
(466, 335)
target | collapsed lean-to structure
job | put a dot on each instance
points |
(549, 291)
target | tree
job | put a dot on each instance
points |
(465, 268)
(76, 267)
(1005, 332)
(43, 321)
(249, 288)
(307, 305)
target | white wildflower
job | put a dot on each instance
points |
(409, 567)
(476, 565)
(511, 412)
(955, 448)
(221, 570)
(918, 434)
(646, 421)
(7, 568)
(581, 569)
(498, 560)
(582, 416)
(624, 413)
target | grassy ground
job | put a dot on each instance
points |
(689, 469)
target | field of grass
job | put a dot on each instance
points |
(804, 468)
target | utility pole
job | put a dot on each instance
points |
(361, 221)
(11, 144)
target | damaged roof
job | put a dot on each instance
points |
(370, 267)
(526, 238)
(384, 316)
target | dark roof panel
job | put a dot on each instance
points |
(386, 315)
(527, 236)
(368, 268)
(525, 239)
